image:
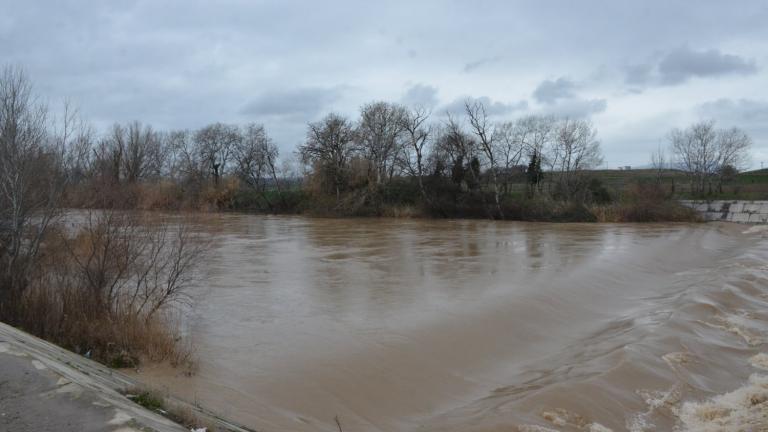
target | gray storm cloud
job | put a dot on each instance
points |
(493, 108)
(682, 64)
(421, 95)
(550, 91)
(180, 64)
(300, 103)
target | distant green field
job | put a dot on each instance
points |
(747, 185)
(754, 177)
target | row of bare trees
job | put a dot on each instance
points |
(134, 153)
(388, 140)
(472, 150)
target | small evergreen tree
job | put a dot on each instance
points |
(534, 173)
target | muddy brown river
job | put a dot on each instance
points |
(421, 325)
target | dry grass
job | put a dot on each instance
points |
(119, 340)
(163, 195)
(645, 202)
(402, 211)
(219, 197)
(113, 291)
(646, 212)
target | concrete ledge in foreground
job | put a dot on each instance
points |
(44, 388)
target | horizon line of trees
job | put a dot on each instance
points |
(455, 154)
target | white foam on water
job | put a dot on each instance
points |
(759, 361)
(657, 400)
(562, 417)
(757, 229)
(739, 326)
(554, 418)
(597, 427)
(535, 428)
(638, 423)
(744, 409)
(675, 359)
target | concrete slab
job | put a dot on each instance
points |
(713, 216)
(739, 217)
(34, 400)
(45, 388)
(753, 212)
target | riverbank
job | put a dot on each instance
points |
(44, 388)
(641, 202)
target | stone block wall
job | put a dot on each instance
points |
(752, 212)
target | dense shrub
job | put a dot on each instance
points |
(112, 288)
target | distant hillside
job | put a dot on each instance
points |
(759, 172)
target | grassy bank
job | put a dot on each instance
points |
(606, 197)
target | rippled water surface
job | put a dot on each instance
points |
(418, 325)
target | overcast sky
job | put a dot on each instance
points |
(636, 69)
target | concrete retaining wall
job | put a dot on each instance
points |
(752, 212)
(74, 393)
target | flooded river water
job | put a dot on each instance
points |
(421, 325)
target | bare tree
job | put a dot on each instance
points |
(450, 150)
(511, 149)
(487, 138)
(379, 135)
(701, 151)
(256, 156)
(74, 140)
(215, 144)
(659, 163)
(733, 148)
(529, 137)
(417, 136)
(126, 266)
(166, 269)
(538, 141)
(184, 161)
(31, 184)
(575, 149)
(460, 153)
(143, 156)
(108, 159)
(329, 146)
(537, 134)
